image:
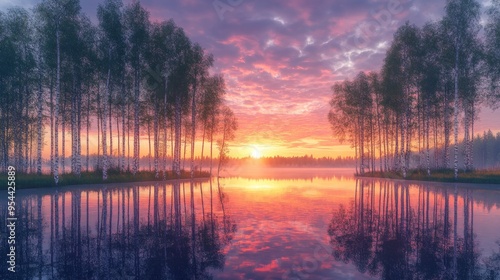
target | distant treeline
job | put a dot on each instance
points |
(128, 75)
(433, 78)
(295, 161)
(487, 150)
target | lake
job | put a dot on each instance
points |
(266, 224)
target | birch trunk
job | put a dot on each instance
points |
(193, 128)
(39, 124)
(88, 127)
(104, 118)
(202, 147)
(122, 164)
(73, 124)
(79, 133)
(455, 110)
(135, 167)
(149, 143)
(63, 132)
(211, 144)
(427, 129)
(51, 128)
(471, 159)
(156, 140)
(110, 115)
(178, 125)
(56, 109)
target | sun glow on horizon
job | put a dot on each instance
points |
(256, 153)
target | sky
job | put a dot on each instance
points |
(280, 59)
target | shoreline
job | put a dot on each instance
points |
(116, 184)
(33, 181)
(487, 178)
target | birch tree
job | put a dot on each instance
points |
(53, 13)
(136, 21)
(229, 125)
(199, 72)
(492, 44)
(461, 23)
(178, 91)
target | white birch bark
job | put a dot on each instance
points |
(156, 140)
(51, 129)
(79, 134)
(135, 167)
(39, 121)
(178, 125)
(193, 128)
(88, 127)
(56, 109)
(455, 110)
(104, 132)
(122, 164)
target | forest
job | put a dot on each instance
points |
(63, 77)
(433, 82)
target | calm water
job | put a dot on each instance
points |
(287, 224)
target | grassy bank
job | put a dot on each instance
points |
(442, 175)
(30, 181)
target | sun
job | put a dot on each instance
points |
(255, 153)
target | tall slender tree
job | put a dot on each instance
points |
(461, 23)
(136, 20)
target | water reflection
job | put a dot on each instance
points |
(396, 231)
(154, 232)
(286, 230)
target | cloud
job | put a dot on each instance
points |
(280, 58)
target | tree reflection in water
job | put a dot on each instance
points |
(112, 237)
(388, 233)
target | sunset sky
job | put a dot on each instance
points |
(280, 58)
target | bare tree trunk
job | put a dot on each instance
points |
(455, 111)
(122, 164)
(178, 125)
(193, 130)
(104, 132)
(39, 124)
(156, 139)
(186, 129)
(455, 237)
(110, 111)
(73, 125)
(79, 133)
(427, 129)
(119, 158)
(98, 125)
(211, 144)
(149, 142)
(202, 147)
(128, 136)
(135, 167)
(471, 159)
(63, 132)
(165, 142)
(87, 136)
(56, 109)
(447, 129)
